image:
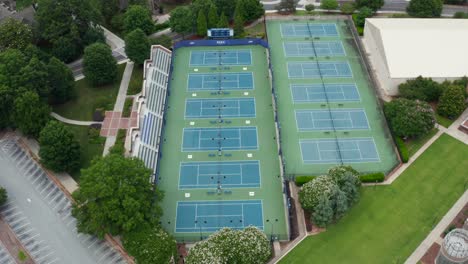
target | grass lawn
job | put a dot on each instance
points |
(22, 4)
(389, 222)
(256, 31)
(127, 107)
(415, 144)
(89, 98)
(91, 145)
(136, 81)
(443, 120)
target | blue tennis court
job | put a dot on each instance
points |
(308, 29)
(351, 150)
(308, 49)
(223, 174)
(210, 216)
(340, 119)
(336, 69)
(220, 108)
(220, 81)
(220, 57)
(307, 93)
(232, 138)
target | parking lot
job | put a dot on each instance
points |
(39, 213)
(5, 257)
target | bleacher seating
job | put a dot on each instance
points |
(155, 91)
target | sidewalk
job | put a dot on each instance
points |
(434, 236)
(73, 122)
(453, 129)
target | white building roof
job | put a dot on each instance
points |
(435, 48)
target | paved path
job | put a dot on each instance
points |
(73, 122)
(119, 103)
(434, 236)
(453, 129)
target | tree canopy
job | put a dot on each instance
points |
(31, 114)
(3, 196)
(425, 8)
(409, 118)
(223, 21)
(14, 35)
(138, 16)
(99, 66)
(202, 25)
(372, 4)
(452, 102)
(363, 13)
(137, 46)
(34, 77)
(181, 20)
(287, 6)
(116, 197)
(59, 150)
(424, 89)
(61, 81)
(248, 246)
(329, 4)
(151, 245)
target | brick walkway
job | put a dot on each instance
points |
(114, 121)
(12, 244)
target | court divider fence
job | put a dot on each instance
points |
(226, 42)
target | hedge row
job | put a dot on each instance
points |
(301, 180)
(404, 154)
(372, 177)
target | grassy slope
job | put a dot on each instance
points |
(89, 98)
(415, 144)
(136, 81)
(391, 221)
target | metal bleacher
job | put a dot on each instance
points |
(151, 112)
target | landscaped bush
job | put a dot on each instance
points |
(452, 102)
(372, 177)
(312, 191)
(409, 118)
(3, 196)
(404, 154)
(301, 180)
(424, 89)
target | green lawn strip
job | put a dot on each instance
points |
(127, 110)
(414, 145)
(120, 141)
(22, 4)
(91, 145)
(389, 222)
(89, 98)
(443, 120)
(256, 31)
(136, 81)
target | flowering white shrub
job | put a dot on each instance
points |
(248, 246)
(313, 190)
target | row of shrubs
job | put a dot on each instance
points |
(402, 149)
(365, 178)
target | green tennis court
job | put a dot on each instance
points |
(220, 108)
(232, 138)
(226, 57)
(306, 70)
(308, 49)
(338, 119)
(220, 81)
(321, 93)
(307, 29)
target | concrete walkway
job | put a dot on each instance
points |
(120, 101)
(73, 122)
(434, 236)
(453, 129)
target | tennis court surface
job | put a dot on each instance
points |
(308, 49)
(220, 81)
(209, 216)
(338, 119)
(223, 174)
(306, 70)
(226, 57)
(350, 150)
(233, 138)
(220, 108)
(308, 29)
(320, 93)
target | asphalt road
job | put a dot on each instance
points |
(40, 214)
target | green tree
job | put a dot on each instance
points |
(151, 245)
(138, 16)
(115, 196)
(408, 118)
(347, 8)
(14, 35)
(34, 77)
(452, 102)
(223, 21)
(309, 8)
(286, 6)
(99, 66)
(7, 96)
(425, 8)
(108, 9)
(202, 27)
(31, 114)
(239, 21)
(137, 46)
(340, 204)
(200, 5)
(253, 9)
(311, 191)
(424, 89)
(181, 20)
(372, 4)
(323, 212)
(11, 63)
(226, 6)
(212, 17)
(59, 150)
(61, 81)
(68, 47)
(363, 13)
(329, 5)
(94, 34)
(3, 196)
